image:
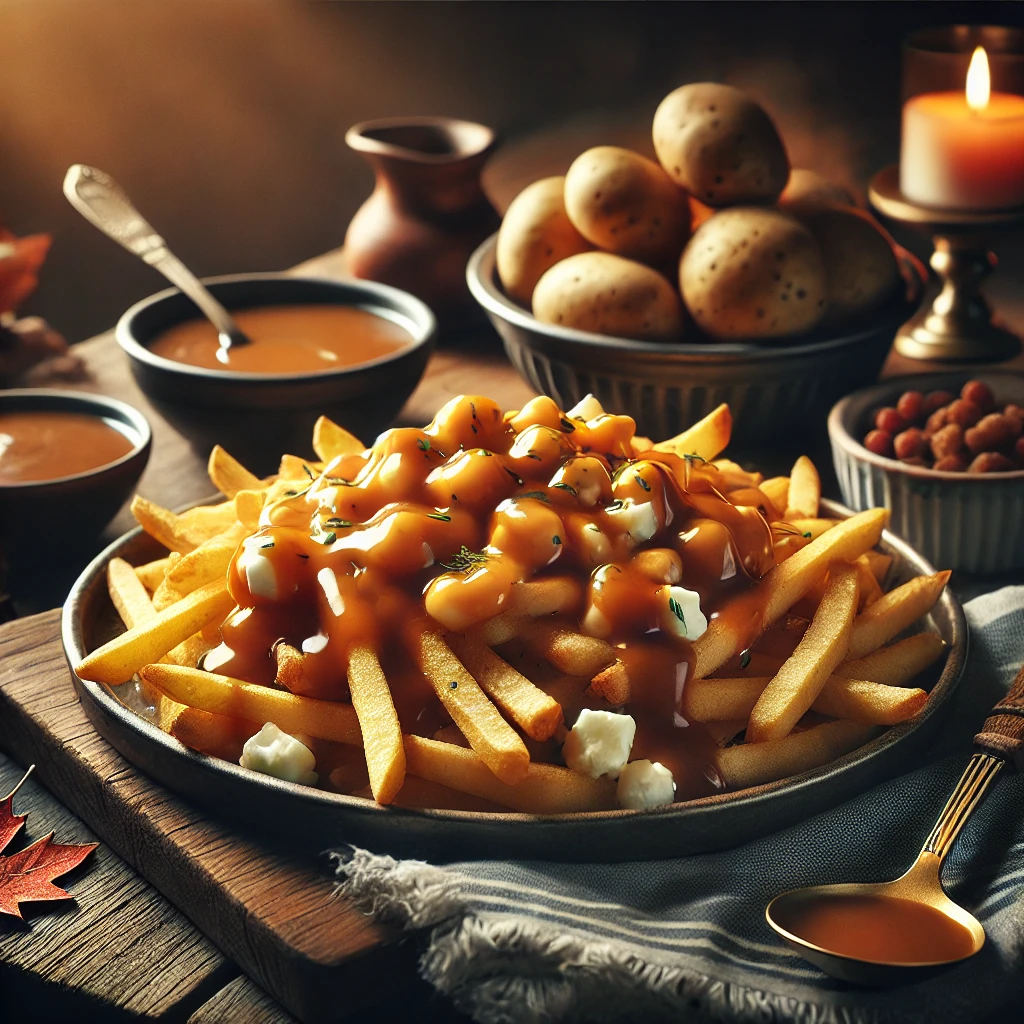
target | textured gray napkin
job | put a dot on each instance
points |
(686, 939)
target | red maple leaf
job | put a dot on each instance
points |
(28, 875)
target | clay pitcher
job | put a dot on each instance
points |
(428, 211)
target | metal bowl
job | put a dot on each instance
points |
(315, 819)
(772, 389)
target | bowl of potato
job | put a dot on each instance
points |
(712, 274)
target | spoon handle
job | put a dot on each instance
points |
(1001, 739)
(103, 202)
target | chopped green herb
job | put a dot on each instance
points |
(613, 506)
(807, 534)
(339, 481)
(694, 457)
(677, 610)
(338, 523)
(326, 538)
(465, 560)
(745, 659)
(556, 540)
(539, 495)
(454, 684)
(423, 444)
(515, 476)
(440, 516)
(567, 487)
(266, 544)
(594, 527)
(642, 482)
(309, 472)
(567, 425)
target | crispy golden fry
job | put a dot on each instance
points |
(488, 733)
(815, 527)
(330, 440)
(898, 664)
(870, 591)
(190, 651)
(378, 721)
(569, 651)
(120, 658)
(787, 545)
(753, 764)
(640, 445)
(754, 497)
(543, 789)
(498, 630)
(707, 437)
(803, 676)
(712, 700)
(289, 667)
(152, 573)
(216, 735)
(183, 532)
(754, 663)
(537, 714)
(297, 470)
(782, 587)
(724, 732)
(777, 489)
(222, 695)
(248, 508)
(545, 596)
(804, 490)
(612, 684)
(734, 476)
(879, 564)
(128, 594)
(228, 475)
(895, 611)
(202, 565)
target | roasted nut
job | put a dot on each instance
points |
(994, 431)
(879, 442)
(980, 394)
(936, 400)
(991, 462)
(951, 464)
(947, 441)
(910, 444)
(963, 412)
(890, 420)
(911, 406)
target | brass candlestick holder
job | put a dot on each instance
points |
(958, 326)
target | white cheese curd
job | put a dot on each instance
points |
(258, 569)
(679, 612)
(595, 623)
(314, 644)
(329, 583)
(643, 784)
(220, 655)
(638, 521)
(597, 546)
(272, 752)
(587, 408)
(599, 743)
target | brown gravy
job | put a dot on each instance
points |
(287, 339)
(877, 928)
(49, 445)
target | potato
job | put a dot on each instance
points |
(860, 266)
(753, 272)
(607, 294)
(626, 204)
(809, 190)
(535, 234)
(719, 145)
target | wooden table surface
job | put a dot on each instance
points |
(121, 951)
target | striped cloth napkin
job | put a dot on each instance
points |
(686, 939)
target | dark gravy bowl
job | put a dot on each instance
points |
(259, 416)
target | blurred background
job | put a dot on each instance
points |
(224, 119)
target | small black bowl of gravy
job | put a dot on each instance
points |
(350, 350)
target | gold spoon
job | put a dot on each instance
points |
(887, 933)
(102, 201)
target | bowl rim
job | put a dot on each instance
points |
(480, 276)
(413, 310)
(841, 436)
(91, 404)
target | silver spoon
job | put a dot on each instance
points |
(100, 200)
(1001, 739)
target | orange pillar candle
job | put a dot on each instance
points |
(964, 150)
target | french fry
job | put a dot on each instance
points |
(879, 564)
(152, 573)
(216, 735)
(782, 587)
(488, 733)
(185, 532)
(569, 651)
(248, 508)
(128, 594)
(378, 722)
(330, 440)
(190, 651)
(870, 591)
(421, 794)
(120, 658)
(787, 545)
(815, 527)
(895, 611)
(753, 764)
(289, 667)
(545, 596)
(222, 695)
(612, 684)
(754, 663)
(710, 700)
(804, 490)
(543, 788)
(498, 630)
(296, 469)
(200, 566)
(802, 677)
(734, 476)
(641, 444)
(754, 497)
(898, 664)
(537, 714)
(777, 489)
(228, 475)
(707, 437)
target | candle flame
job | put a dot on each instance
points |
(978, 80)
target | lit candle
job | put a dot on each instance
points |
(964, 150)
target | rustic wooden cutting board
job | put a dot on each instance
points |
(274, 913)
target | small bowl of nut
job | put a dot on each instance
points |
(944, 452)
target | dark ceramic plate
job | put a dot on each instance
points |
(318, 819)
